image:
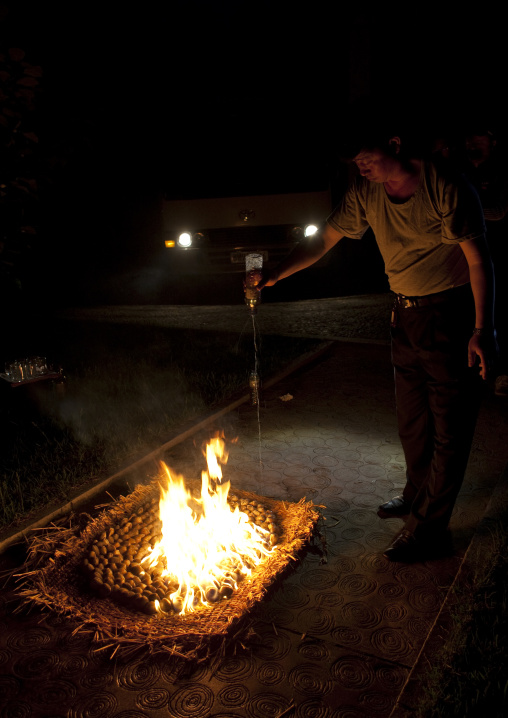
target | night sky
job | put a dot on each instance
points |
(189, 96)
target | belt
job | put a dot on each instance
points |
(414, 302)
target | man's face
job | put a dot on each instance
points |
(376, 165)
(479, 148)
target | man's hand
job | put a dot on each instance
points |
(485, 349)
(269, 279)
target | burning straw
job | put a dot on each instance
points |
(168, 615)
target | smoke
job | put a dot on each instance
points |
(125, 413)
(130, 386)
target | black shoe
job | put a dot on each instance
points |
(398, 506)
(405, 548)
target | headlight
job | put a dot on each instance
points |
(301, 232)
(184, 240)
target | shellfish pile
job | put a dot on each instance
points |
(116, 568)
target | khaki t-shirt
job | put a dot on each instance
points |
(418, 239)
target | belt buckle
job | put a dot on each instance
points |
(408, 302)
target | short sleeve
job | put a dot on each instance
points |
(461, 212)
(349, 217)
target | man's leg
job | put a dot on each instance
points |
(454, 406)
(436, 418)
(414, 421)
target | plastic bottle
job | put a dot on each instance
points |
(253, 275)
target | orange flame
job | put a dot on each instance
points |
(206, 548)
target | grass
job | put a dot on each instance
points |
(127, 388)
(469, 675)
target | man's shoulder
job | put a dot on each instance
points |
(443, 172)
(446, 179)
(362, 188)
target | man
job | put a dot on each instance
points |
(485, 169)
(430, 231)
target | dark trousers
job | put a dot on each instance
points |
(438, 399)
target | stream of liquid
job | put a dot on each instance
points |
(255, 388)
(253, 276)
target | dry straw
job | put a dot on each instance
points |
(59, 585)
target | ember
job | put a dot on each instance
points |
(193, 552)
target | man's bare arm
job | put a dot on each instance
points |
(305, 254)
(481, 275)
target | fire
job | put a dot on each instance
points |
(206, 547)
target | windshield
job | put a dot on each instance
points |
(231, 161)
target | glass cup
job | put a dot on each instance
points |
(15, 370)
(41, 365)
(28, 367)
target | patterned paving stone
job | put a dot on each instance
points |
(336, 636)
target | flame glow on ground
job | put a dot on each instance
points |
(206, 547)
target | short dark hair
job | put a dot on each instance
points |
(360, 138)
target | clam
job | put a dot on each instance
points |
(212, 594)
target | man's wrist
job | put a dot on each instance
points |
(483, 331)
(275, 275)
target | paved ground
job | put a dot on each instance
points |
(363, 317)
(336, 639)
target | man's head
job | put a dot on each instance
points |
(379, 163)
(377, 147)
(479, 144)
(361, 137)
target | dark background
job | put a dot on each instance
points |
(187, 97)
